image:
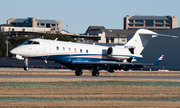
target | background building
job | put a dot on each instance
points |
(27, 26)
(117, 36)
(131, 24)
(149, 22)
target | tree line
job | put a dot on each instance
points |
(17, 40)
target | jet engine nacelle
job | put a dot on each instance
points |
(112, 51)
(109, 51)
(117, 53)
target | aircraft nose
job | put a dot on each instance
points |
(13, 51)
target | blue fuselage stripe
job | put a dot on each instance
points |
(87, 57)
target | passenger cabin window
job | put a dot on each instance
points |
(57, 48)
(74, 49)
(63, 48)
(86, 51)
(69, 49)
(80, 50)
(30, 42)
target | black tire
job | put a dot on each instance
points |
(26, 68)
(78, 72)
(95, 73)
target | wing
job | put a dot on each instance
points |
(117, 63)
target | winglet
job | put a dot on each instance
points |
(159, 60)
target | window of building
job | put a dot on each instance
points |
(149, 23)
(138, 24)
(130, 24)
(86, 51)
(159, 21)
(42, 24)
(167, 21)
(29, 24)
(63, 48)
(131, 21)
(167, 25)
(112, 40)
(48, 25)
(57, 48)
(159, 25)
(123, 40)
(37, 24)
(53, 24)
(14, 24)
(80, 50)
(139, 21)
(21, 24)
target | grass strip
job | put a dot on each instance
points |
(85, 83)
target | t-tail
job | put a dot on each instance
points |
(141, 38)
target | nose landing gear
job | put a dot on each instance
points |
(26, 68)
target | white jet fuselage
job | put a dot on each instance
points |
(67, 52)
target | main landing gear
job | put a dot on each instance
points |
(95, 72)
(78, 71)
(26, 64)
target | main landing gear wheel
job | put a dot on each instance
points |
(78, 72)
(95, 73)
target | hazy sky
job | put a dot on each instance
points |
(80, 14)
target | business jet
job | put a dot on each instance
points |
(78, 56)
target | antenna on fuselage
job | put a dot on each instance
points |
(56, 39)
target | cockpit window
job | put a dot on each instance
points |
(30, 42)
(35, 42)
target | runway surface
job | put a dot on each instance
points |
(91, 77)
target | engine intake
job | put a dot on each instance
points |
(109, 51)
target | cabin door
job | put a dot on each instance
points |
(47, 48)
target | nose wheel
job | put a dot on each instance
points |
(26, 64)
(26, 68)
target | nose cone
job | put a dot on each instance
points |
(13, 51)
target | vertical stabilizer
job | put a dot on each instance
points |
(139, 40)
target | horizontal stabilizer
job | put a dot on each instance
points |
(159, 60)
